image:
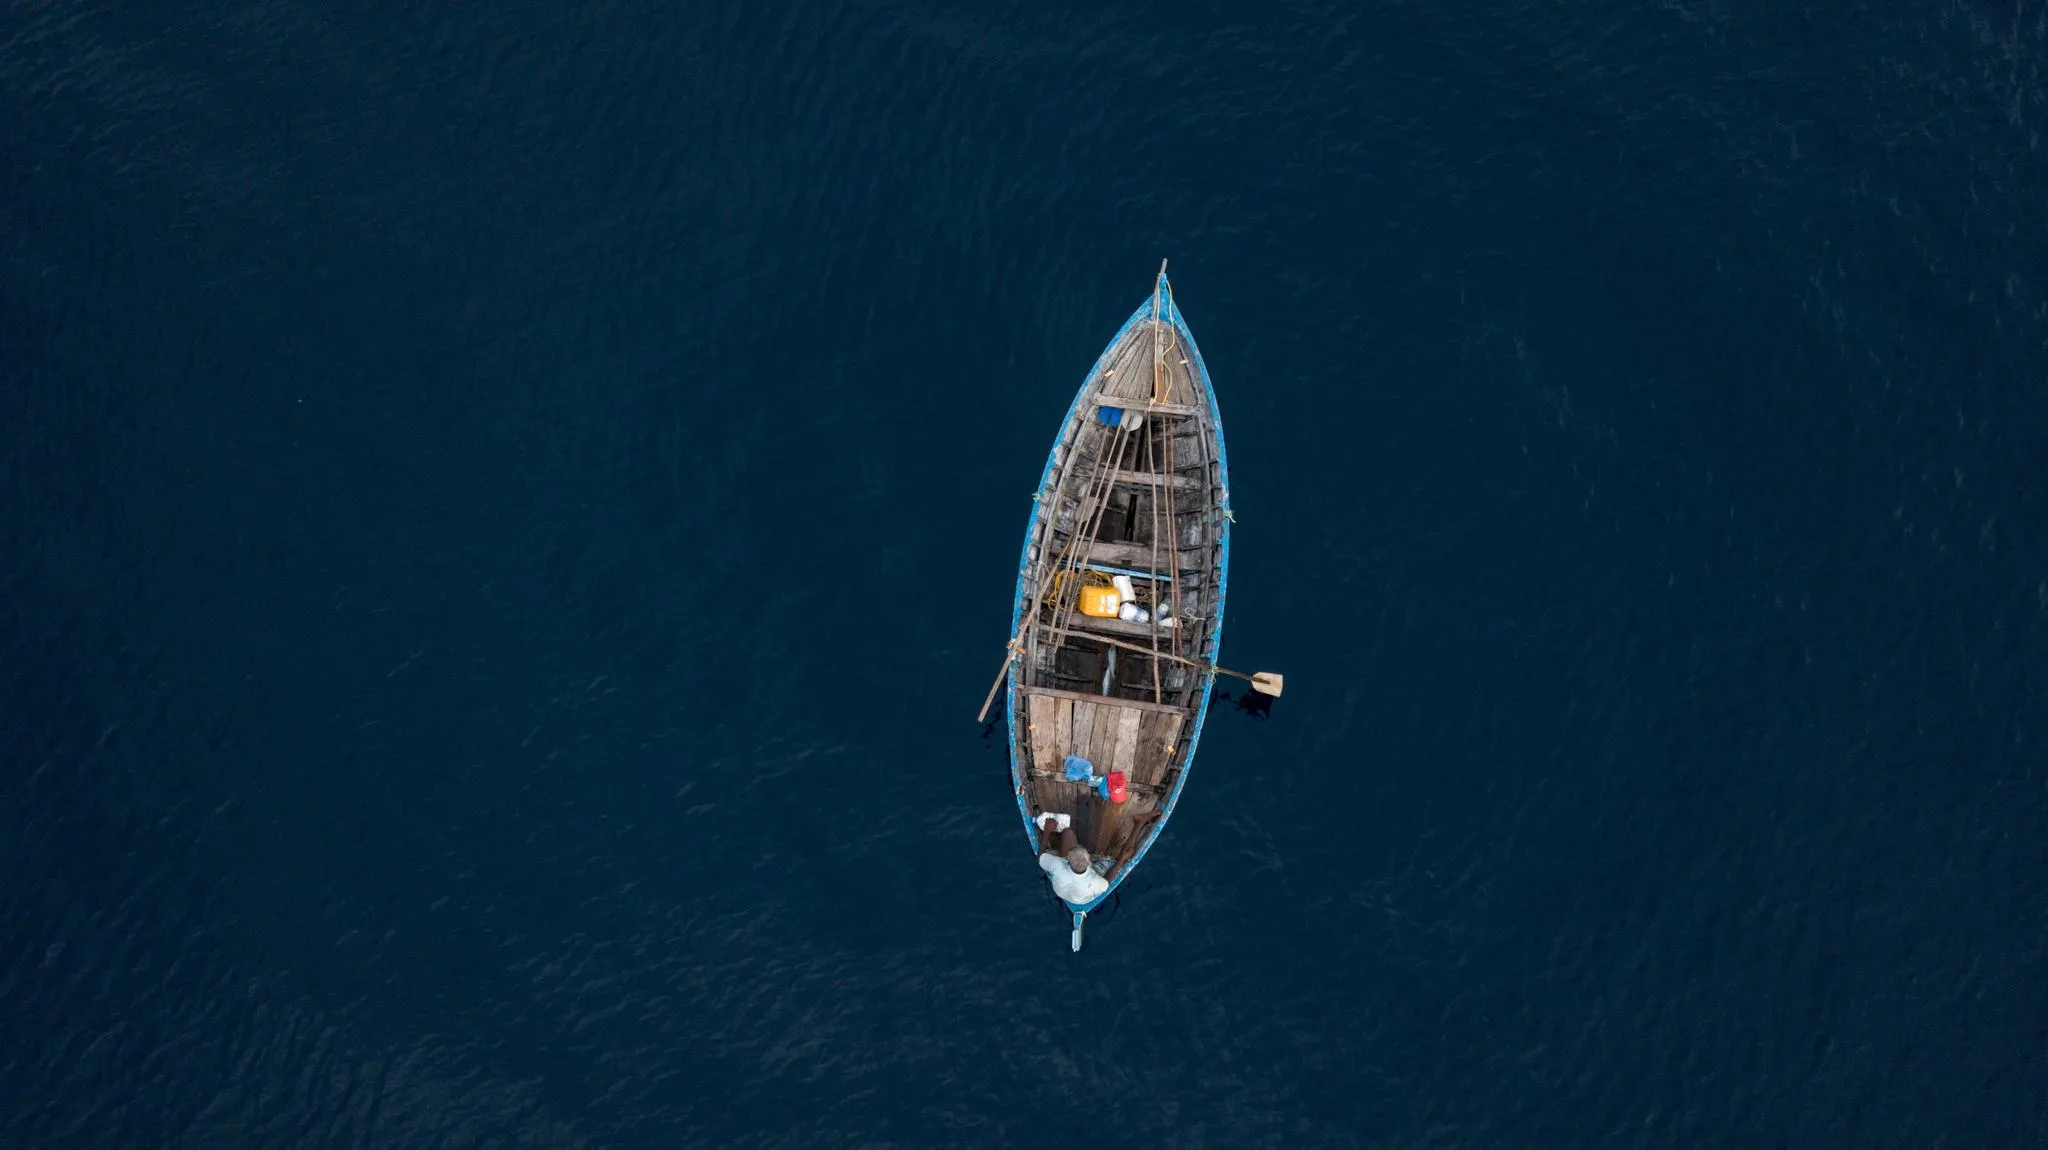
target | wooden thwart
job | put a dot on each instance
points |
(1145, 406)
(1144, 479)
(1089, 626)
(1140, 554)
(1100, 700)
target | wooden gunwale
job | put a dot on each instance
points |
(1088, 473)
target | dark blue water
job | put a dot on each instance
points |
(509, 512)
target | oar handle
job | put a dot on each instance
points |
(1167, 655)
(1256, 681)
(1002, 673)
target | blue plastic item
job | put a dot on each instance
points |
(1109, 416)
(1079, 770)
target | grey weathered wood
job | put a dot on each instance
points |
(1095, 466)
(1043, 735)
(1084, 730)
(1140, 555)
(1142, 632)
(1103, 746)
(1124, 755)
(1145, 406)
(1143, 479)
(1170, 751)
(1102, 700)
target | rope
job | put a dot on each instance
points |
(1087, 519)
(1151, 460)
(1048, 578)
(1173, 525)
(1099, 484)
(1172, 554)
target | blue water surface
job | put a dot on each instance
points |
(510, 510)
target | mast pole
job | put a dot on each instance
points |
(1158, 339)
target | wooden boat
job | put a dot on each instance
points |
(1137, 485)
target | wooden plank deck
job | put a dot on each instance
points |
(1127, 374)
(1107, 500)
(1124, 752)
(1133, 736)
(1043, 739)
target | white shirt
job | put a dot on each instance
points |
(1077, 889)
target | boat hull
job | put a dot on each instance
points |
(1165, 488)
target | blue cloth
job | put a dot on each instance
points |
(1079, 770)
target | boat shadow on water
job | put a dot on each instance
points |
(1252, 703)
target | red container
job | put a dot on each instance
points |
(1117, 793)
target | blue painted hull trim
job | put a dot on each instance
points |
(1211, 641)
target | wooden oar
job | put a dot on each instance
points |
(1087, 513)
(1001, 674)
(1264, 682)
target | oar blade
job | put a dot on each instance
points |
(1268, 683)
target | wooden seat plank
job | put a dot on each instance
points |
(1148, 479)
(1051, 693)
(1124, 756)
(1084, 728)
(1041, 709)
(1144, 405)
(1140, 555)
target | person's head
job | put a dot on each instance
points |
(1077, 859)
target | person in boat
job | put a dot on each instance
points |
(1065, 861)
